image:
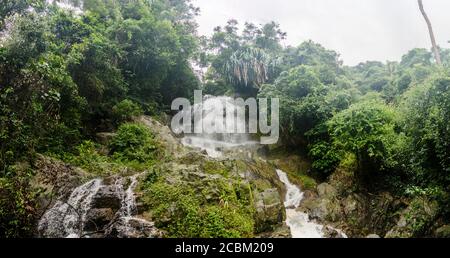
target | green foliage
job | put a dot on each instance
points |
(325, 158)
(88, 158)
(312, 54)
(248, 60)
(126, 110)
(18, 202)
(418, 56)
(247, 68)
(133, 142)
(65, 77)
(365, 129)
(426, 110)
(190, 216)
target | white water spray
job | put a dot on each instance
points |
(298, 222)
(213, 143)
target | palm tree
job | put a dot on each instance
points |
(437, 55)
(247, 67)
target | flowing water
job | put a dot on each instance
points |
(216, 144)
(298, 222)
(69, 218)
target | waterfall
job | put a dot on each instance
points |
(298, 222)
(67, 219)
(215, 144)
(70, 218)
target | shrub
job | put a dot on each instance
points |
(367, 130)
(133, 142)
(17, 203)
(184, 213)
(325, 158)
(126, 110)
(90, 159)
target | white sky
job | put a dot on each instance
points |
(359, 30)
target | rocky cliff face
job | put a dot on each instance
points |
(78, 205)
(240, 185)
(208, 178)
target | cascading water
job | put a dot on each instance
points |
(70, 218)
(215, 144)
(67, 219)
(298, 222)
(129, 208)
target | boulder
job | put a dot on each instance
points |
(134, 228)
(97, 219)
(107, 197)
(326, 190)
(269, 210)
(330, 232)
(415, 219)
(54, 179)
(104, 138)
(373, 236)
(280, 232)
(321, 209)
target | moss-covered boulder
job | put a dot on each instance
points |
(415, 219)
(269, 210)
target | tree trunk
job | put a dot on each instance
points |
(437, 55)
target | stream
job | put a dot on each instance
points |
(298, 222)
(216, 145)
(112, 207)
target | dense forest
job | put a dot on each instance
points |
(70, 71)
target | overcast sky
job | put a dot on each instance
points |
(359, 30)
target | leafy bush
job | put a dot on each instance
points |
(325, 158)
(365, 129)
(184, 213)
(17, 203)
(126, 110)
(133, 142)
(88, 158)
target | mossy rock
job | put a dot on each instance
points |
(415, 219)
(270, 211)
(443, 232)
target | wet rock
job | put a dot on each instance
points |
(326, 190)
(351, 205)
(134, 228)
(322, 209)
(107, 197)
(269, 210)
(280, 232)
(54, 178)
(97, 219)
(330, 232)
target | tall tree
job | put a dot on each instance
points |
(437, 55)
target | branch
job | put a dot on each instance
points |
(437, 55)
